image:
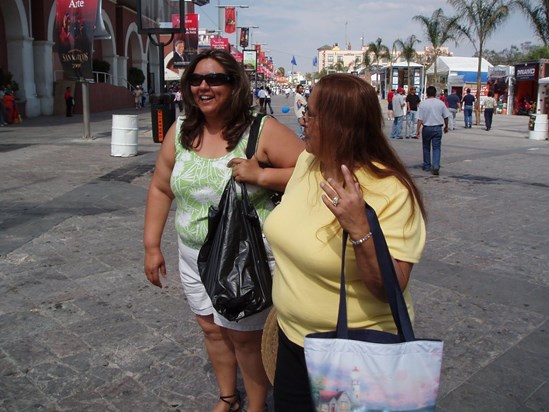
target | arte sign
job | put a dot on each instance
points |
(73, 34)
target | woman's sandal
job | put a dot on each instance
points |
(234, 405)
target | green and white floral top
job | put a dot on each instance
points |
(198, 183)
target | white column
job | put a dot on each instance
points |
(22, 65)
(113, 61)
(43, 75)
(122, 75)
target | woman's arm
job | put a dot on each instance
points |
(278, 146)
(159, 200)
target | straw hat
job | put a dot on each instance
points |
(269, 344)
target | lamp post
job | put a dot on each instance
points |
(161, 19)
(220, 17)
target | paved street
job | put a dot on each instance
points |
(81, 329)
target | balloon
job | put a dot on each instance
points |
(285, 109)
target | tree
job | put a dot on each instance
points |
(135, 76)
(408, 51)
(379, 51)
(480, 19)
(538, 16)
(439, 29)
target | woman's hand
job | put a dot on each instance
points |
(246, 170)
(347, 204)
(155, 266)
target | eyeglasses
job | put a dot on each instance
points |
(213, 79)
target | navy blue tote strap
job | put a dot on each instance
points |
(390, 281)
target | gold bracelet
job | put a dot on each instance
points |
(361, 240)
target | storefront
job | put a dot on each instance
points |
(460, 73)
(396, 75)
(500, 83)
(530, 94)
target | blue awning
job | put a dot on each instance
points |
(471, 77)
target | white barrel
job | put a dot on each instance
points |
(537, 135)
(541, 123)
(124, 135)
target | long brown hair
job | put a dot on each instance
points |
(350, 127)
(238, 105)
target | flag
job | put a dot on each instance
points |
(315, 61)
(230, 19)
(244, 35)
(294, 63)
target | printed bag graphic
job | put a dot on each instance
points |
(368, 370)
(349, 375)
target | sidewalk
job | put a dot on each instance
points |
(83, 330)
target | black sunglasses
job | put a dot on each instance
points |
(213, 79)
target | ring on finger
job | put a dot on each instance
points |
(335, 201)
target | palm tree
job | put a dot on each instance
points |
(481, 18)
(367, 64)
(439, 29)
(379, 51)
(538, 16)
(408, 51)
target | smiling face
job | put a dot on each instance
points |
(211, 100)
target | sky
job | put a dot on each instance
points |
(289, 28)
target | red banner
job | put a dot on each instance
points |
(185, 46)
(73, 34)
(219, 43)
(230, 20)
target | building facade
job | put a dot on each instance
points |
(28, 52)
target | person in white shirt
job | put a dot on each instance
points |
(300, 104)
(432, 117)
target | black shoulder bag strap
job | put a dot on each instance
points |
(254, 135)
(252, 146)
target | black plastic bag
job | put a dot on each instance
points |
(233, 262)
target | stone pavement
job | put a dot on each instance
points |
(81, 329)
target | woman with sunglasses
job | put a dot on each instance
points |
(348, 161)
(199, 155)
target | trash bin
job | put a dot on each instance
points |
(124, 135)
(163, 115)
(538, 127)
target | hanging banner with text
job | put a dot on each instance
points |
(185, 46)
(230, 20)
(244, 36)
(73, 35)
(219, 43)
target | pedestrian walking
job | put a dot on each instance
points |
(261, 95)
(399, 103)
(454, 106)
(489, 107)
(137, 95)
(69, 102)
(412, 103)
(432, 120)
(467, 102)
(268, 94)
(178, 100)
(390, 96)
(300, 104)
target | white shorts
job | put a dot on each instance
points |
(198, 298)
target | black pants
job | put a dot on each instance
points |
(488, 115)
(291, 384)
(68, 103)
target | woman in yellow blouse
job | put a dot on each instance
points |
(348, 161)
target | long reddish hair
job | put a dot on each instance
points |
(350, 127)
